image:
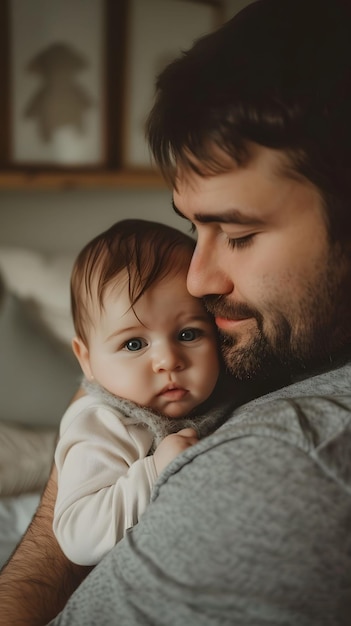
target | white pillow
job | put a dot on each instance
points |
(42, 280)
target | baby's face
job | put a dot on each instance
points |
(163, 355)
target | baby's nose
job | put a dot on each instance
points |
(169, 359)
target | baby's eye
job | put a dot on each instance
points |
(135, 344)
(189, 334)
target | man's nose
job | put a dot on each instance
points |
(168, 358)
(207, 274)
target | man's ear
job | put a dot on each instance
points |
(82, 353)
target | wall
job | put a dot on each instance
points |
(65, 220)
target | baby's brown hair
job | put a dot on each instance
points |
(148, 251)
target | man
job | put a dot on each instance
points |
(252, 525)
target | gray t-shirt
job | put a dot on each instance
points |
(250, 527)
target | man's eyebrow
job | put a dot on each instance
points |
(232, 216)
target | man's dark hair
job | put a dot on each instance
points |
(277, 74)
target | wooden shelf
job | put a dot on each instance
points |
(58, 180)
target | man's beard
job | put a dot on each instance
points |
(322, 330)
(260, 357)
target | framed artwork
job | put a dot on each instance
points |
(58, 100)
(157, 32)
(78, 77)
(57, 89)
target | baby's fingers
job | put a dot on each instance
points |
(188, 433)
(187, 437)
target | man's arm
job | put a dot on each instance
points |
(38, 579)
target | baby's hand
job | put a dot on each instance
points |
(172, 445)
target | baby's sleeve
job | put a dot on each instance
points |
(105, 478)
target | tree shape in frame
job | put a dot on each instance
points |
(61, 100)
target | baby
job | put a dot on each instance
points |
(149, 353)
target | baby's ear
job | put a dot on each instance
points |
(82, 353)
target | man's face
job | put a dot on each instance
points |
(265, 266)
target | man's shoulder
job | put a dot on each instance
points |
(332, 382)
(314, 424)
(312, 417)
(323, 400)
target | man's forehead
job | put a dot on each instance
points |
(246, 196)
(275, 162)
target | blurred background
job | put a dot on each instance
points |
(77, 82)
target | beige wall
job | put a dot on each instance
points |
(65, 220)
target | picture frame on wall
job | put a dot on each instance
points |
(57, 83)
(78, 81)
(157, 32)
